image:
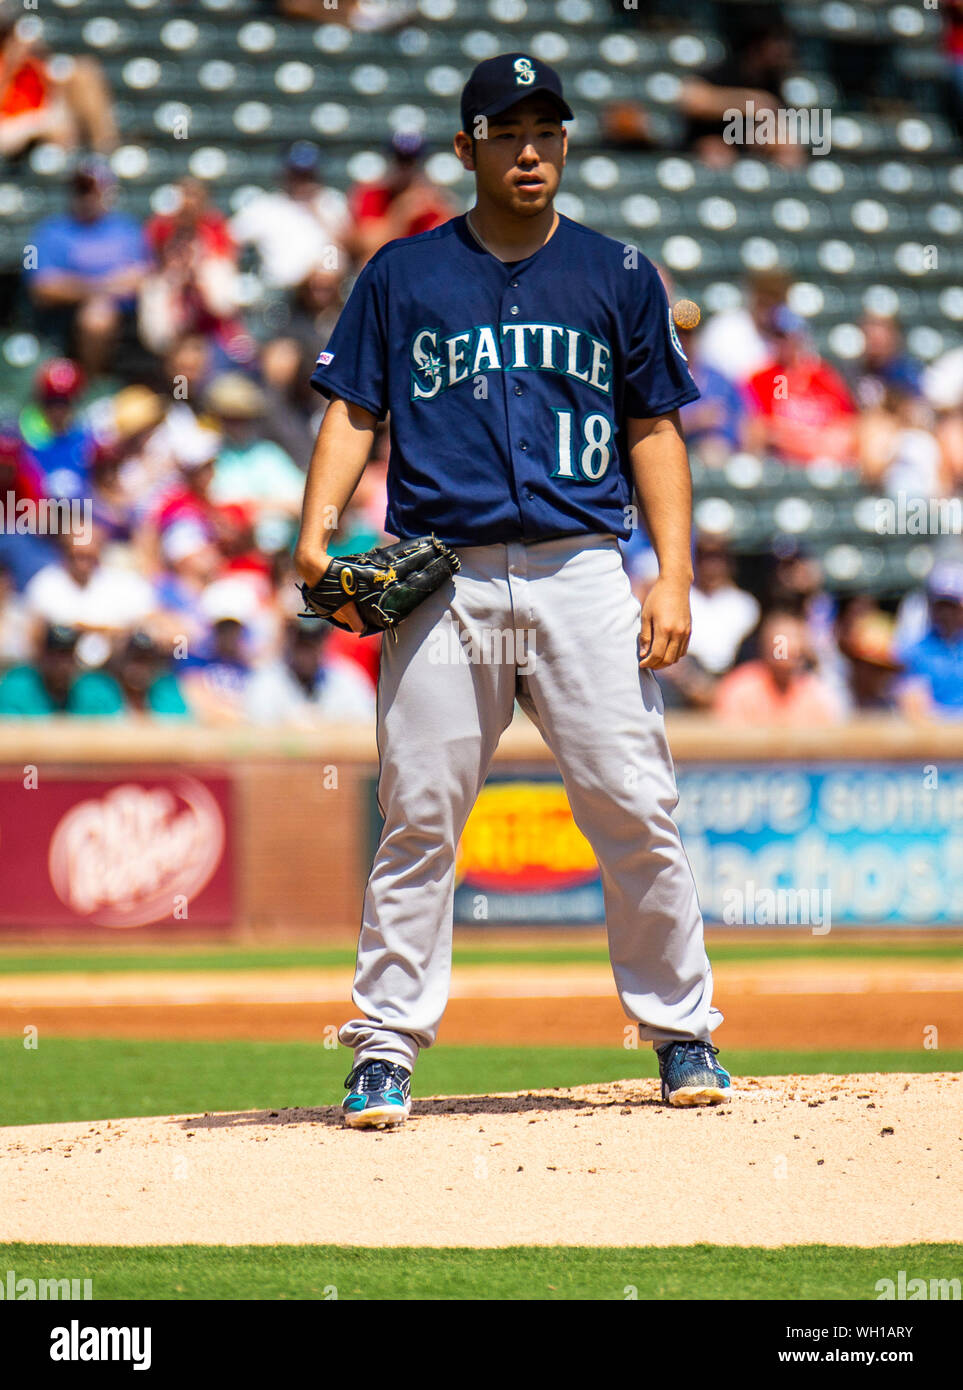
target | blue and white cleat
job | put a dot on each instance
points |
(691, 1075)
(379, 1094)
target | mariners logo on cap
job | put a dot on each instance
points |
(524, 72)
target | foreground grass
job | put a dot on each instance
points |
(516, 1272)
(66, 1079)
(23, 961)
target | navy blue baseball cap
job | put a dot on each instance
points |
(497, 83)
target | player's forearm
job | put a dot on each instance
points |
(340, 454)
(663, 485)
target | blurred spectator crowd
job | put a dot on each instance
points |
(181, 438)
(770, 642)
(175, 445)
(786, 652)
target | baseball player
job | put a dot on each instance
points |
(532, 379)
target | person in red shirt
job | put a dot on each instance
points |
(24, 95)
(801, 410)
(403, 203)
(19, 473)
(193, 214)
(194, 286)
(65, 103)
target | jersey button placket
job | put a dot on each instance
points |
(514, 393)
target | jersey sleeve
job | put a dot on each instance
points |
(354, 361)
(657, 376)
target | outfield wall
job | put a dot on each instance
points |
(160, 832)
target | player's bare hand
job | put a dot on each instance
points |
(666, 624)
(349, 614)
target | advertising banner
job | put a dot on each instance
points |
(835, 844)
(142, 849)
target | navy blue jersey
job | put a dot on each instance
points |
(507, 385)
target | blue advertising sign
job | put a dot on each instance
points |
(866, 844)
(862, 844)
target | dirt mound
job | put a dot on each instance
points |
(855, 1160)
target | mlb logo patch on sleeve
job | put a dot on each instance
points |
(325, 359)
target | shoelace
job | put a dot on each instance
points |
(699, 1051)
(372, 1076)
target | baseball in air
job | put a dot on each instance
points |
(686, 314)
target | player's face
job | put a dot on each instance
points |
(518, 166)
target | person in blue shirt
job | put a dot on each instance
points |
(532, 378)
(62, 443)
(884, 365)
(713, 423)
(86, 267)
(933, 683)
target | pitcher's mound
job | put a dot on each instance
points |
(855, 1160)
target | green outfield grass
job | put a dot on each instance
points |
(16, 960)
(97, 1078)
(517, 1272)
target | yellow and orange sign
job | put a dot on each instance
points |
(521, 835)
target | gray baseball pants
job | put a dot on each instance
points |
(569, 605)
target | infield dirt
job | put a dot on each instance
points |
(865, 1160)
(773, 1004)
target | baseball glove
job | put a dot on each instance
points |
(384, 584)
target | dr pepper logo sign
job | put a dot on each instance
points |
(116, 853)
(124, 857)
